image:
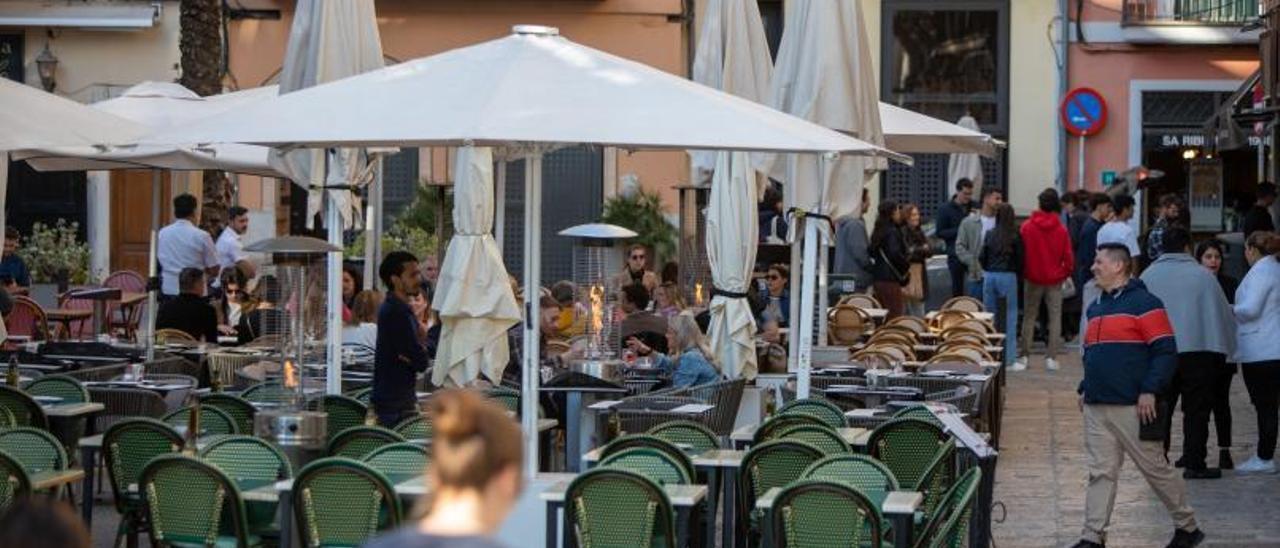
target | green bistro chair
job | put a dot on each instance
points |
(59, 386)
(907, 447)
(779, 422)
(415, 428)
(696, 436)
(213, 421)
(343, 412)
(6, 418)
(938, 478)
(949, 527)
(869, 476)
(342, 502)
(361, 394)
(611, 507)
(271, 392)
(127, 447)
(357, 442)
(16, 484)
(654, 464)
(812, 513)
(824, 410)
(191, 502)
(767, 465)
(508, 398)
(25, 410)
(399, 460)
(918, 412)
(650, 442)
(822, 437)
(251, 461)
(240, 410)
(37, 450)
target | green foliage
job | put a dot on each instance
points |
(643, 213)
(50, 249)
(414, 229)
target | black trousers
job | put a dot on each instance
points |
(1263, 381)
(1222, 404)
(957, 271)
(1195, 382)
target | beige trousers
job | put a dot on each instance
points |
(1110, 433)
(1032, 294)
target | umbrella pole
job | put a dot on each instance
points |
(153, 263)
(500, 203)
(793, 281)
(373, 229)
(803, 326)
(532, 281)
(333, 325)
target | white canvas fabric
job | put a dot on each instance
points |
(731, 251)
(473, 295)
(33, 118)
(910, 132)
(969, 165)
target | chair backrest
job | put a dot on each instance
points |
(949, 526)
(937, 479)
(963, 303)
(59, 386)
(823, 437)
(918, 412)
(874, 359)
(212, 420)
(121, 403)
(79, 329)
(27, 319)
(824, 513)
(867, 475)
(399, 459)
(945, 361)
(248, 458)
(846, 324)
(342, 412)
(342, 502)
(773, 464)
(613, 507)
(126, 280)
(6, 418)
(361, 394)
(239, 409)
(907, 447)
(699, 438)
(646, 441)
(780, 421)
(509, 399)
(948, 318)
(169, 335)
(357, 442)
(25, 410)
(417, 427)
(824, 410)
(186, 501)
(860, 300)
(724, 396)
(916, 325)
(15, 483)
(127, 447)
(657, 465)
(36, 449)
(268, 392)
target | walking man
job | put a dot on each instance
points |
(1047, 263)
(950, 215)
(969, 239)
(1204, 329)
(1129, 357)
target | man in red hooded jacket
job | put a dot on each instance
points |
(1047, 262)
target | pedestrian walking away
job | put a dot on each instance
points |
(1257, 312)
(1047, 263)
(1001, 257)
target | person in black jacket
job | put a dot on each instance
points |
(1259, 216)
(948, 226)
(1001, 257)
(889, 254)
(1209, 254)
(190, 312)
(401, 351)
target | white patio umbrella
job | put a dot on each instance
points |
(732, 56)
(969, 165)
(823, 74)
(529, 93)
(910, 132)
(329, 41)
(473, 296)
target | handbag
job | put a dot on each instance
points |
(914, 290)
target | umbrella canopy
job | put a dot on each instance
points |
(910, 132)
(157, 106)
(533, 87)
(474, 296)
(966, 165)
(32, 118)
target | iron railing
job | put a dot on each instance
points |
(1227, 13)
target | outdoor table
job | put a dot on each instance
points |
(899, 507)
(72, 410)
(855, 437)
(683, 498)
(874, 396)
(574, 391)
(50, 479)
(162, 388)
(983, 316)
(64, 317)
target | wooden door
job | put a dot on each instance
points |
(131, 217)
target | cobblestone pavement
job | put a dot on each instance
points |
(1042, 473)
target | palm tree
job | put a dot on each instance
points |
(201, 48)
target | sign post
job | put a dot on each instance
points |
(1083, 113)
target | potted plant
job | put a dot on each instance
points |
(56, 259)
(642, 212)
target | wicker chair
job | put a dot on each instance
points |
(27, 319)
(765, 466)
(824, 410)
(948, 318)
(127, 447)
(847, 324)
(655, 443)
(860, 300)
(953, 363)
(359, 441)
(725, 397)
(186, 501)
(397, 460)
(37, 451)
(16, 484)
(224, 365)
(938, 477)
(963, 398)
(825, 513)
(654, 464)
(949, 526)
(610, 507)
(342, 412)
(78, 329)
(25, 410)
(126, 281)
(509, 399)
(240, 410)
(822, 437)
(416, 428)
(268, 392)
(916, 325)
(59, 386)
(213, 421)
(768, 428)
(875, 359)
(122, 403)
(963, 303)
(343, 502)
(170, 336)
(869, 476)
(250, 459)
(698, 437)
(907, 447)
(641, 413)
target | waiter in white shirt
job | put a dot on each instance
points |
(229, 247)
(183, 245)
(1118, 230)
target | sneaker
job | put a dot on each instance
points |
(1224, 460)
(1256, 465)
(1180, 463)
(1201, 473)
(1186, 539)
(1019, 365)
(1088, 544)
(1051, 364)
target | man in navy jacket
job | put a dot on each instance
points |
(948, 226)
(1130, 355)
(401, 352)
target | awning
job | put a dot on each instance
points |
(1232, 123)
(113, 16)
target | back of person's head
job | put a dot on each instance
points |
(190, 280)
(184, 206)
(1097, 199)
(1266, 190)
(474, 440)
(38, 521)
(670, 273)
(1049, 201)
(689, 336)
(884, 213)
(393, 265)
(564, 292)
(11, 233)
(1170, 199)
(637, 295)
(1265, 241)
(1005, 216)
(964, 183)
(268, 289)
(364, 307)
(1176, 239)
(1122, 202)
(771, 198)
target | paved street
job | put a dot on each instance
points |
(1042, 474)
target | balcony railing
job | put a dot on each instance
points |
(1224, 13)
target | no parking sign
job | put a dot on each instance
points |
(1083, 112)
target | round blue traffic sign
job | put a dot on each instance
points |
(1083, 112)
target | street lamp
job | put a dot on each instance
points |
(47, 65)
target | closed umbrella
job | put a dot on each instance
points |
(474, 296)
(962, 165)
(910, 132)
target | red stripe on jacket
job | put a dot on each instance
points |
(1128, 328)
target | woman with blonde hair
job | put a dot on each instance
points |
(695, 363)
(667, 300)
(474, 471)
(360, 331)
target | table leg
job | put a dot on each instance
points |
(729, 486)
(766, 528)
(99, 314)
(566, 526)
(682, 525)
(573, 431)
(902, 524)
(285, 507)
(88, 461)
(713, 496)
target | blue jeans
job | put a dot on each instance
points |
(1003, 284)
(973, 288)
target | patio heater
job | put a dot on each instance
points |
(595, 261)
(294, 285)
(695, 268)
